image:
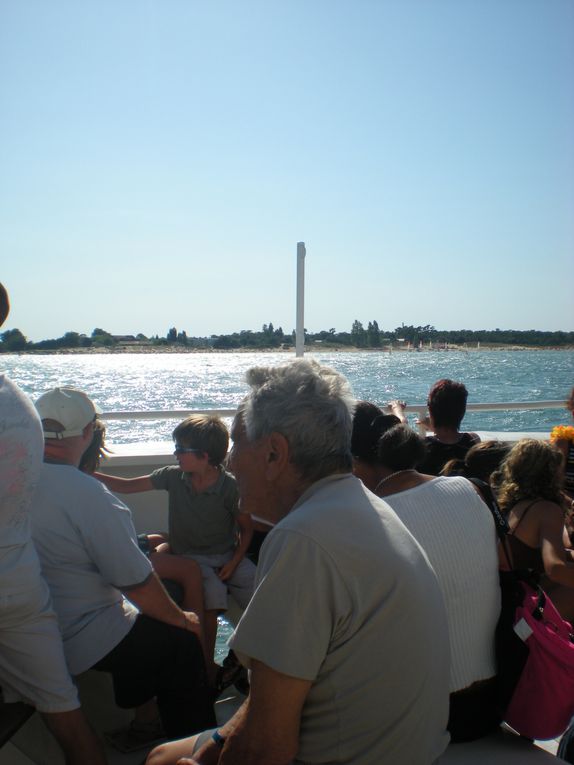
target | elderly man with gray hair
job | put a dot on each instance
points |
(346, 635)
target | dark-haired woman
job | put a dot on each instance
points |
(480, 461)
(369, 423)
(455, 528)
(447, 406)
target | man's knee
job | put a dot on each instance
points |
(157, 756)
(170, 752)
(160, 755)
(192, 572)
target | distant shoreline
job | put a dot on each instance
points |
(134, 350)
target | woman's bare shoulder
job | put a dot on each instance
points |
(531, 512)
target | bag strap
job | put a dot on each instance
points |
(500, 522)
(526, 509)
(503, 531)
(502, 527)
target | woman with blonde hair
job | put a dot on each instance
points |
(529, 486)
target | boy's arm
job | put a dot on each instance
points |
(245, 525)
(125, 485)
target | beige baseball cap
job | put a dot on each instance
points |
(70, 407)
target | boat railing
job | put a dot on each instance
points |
(166, 414)
(419, 409)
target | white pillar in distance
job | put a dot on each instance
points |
(300, 322)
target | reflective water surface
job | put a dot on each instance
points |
(216, 380)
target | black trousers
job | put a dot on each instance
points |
(159, 660)
(566, 748)
(473, 711)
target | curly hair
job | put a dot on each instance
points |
(532, 469)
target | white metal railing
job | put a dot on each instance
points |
(419, 409)
(166, 414)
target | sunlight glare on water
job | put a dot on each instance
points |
(126, 382)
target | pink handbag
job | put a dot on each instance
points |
(543, 699)
(534, 648)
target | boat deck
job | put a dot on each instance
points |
(33, 745)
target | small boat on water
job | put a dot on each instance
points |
(33, 745)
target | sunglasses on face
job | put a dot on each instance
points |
(185, 450)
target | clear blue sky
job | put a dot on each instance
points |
(160, 159)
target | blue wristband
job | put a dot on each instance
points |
(218, 738)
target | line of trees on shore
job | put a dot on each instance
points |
(13, 340)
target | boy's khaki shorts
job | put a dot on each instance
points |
(215, 592)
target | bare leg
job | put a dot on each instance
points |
(79, 743)
(170, 753)
(186, 573)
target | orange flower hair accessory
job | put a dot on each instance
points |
(562, 433)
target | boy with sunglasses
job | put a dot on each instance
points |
(205, 522)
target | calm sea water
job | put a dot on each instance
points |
(216, 380)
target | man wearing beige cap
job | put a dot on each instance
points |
(32, 663)
(90, 558)
(68, 410)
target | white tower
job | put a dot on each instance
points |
(300, 322)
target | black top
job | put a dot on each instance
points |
(524, 556)
(439, 453)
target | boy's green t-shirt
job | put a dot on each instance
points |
(199, 524)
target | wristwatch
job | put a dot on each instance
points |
(218, 738)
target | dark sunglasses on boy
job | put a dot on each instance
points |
(185, 450)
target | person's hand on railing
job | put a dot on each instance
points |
(397, 408)
(423, 424)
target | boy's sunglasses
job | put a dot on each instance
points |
(184, 450)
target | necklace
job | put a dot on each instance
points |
(392, 475)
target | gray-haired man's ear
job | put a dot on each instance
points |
(277, 455)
